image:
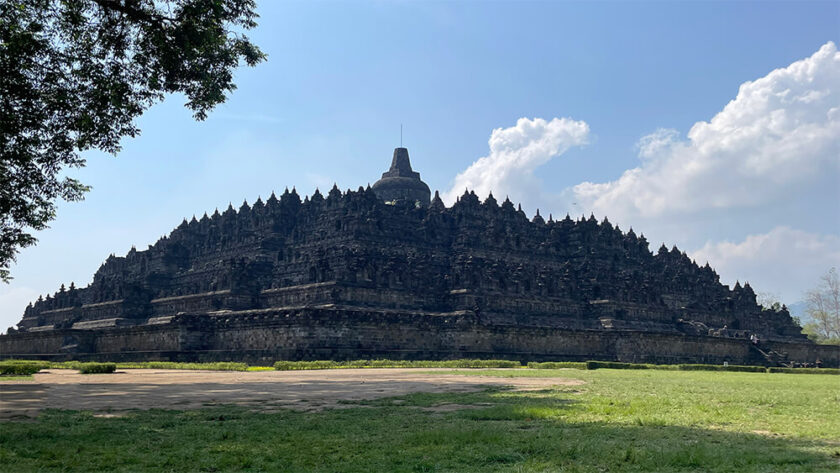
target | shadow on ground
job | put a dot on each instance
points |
(496, 430)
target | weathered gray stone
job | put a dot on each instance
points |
(386, 271)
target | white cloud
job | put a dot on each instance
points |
(779, 134)
(515, 153)
(786, 260)
(770, 159)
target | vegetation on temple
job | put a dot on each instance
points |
(74, 76)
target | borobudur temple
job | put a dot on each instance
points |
(389, 271)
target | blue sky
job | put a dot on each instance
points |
(341, 77)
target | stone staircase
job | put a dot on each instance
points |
(772, 357)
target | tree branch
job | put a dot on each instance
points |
(133, 13)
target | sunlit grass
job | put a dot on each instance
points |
(618, 420)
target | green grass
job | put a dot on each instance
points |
(16, 378)
(330, 364)
(171, 365)
(21, 367)
(618, 421)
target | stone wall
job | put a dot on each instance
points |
(353, 249)
(264, 336)
(156, 338)
(190, 303)
(35, 344)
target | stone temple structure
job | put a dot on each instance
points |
(388, 272)
(401, 182)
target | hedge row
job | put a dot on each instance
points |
(329, 364)
(21, 367)
(615, 365)
(172, 365)
(748, 369)
(66, 365)
(556, 365)
(93, 368)
(160, 365)
(804, 370)
(592, 365)
(29, 367)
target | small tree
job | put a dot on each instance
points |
(823, 307)
(768, 301)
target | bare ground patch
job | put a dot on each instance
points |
(264, 390)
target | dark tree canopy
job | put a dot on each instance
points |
(74, 76)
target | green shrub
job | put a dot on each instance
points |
(93, 368)
(615, 365)
(21, 367)
(478, 364)
(742, 368)
(44, 364)
(556, 365)
(33, 363)
(664, 367)
(804, 370)
(70, 365)
(173, 365)
(160, 365)
(329, 364)
(66, 365)
(305, 365)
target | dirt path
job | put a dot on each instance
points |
(180, 389)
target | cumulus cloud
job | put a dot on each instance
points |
(786, 260)
(515, 153)
(779, 134)
(769, 160)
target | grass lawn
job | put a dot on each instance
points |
(17, 378)
(620, 420)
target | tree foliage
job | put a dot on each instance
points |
(768, 301)
(74, 76)
(823, 308)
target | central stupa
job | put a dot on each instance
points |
(400, 182)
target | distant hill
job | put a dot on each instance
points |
(797, 309)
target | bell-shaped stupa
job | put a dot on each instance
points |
(400, 182)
